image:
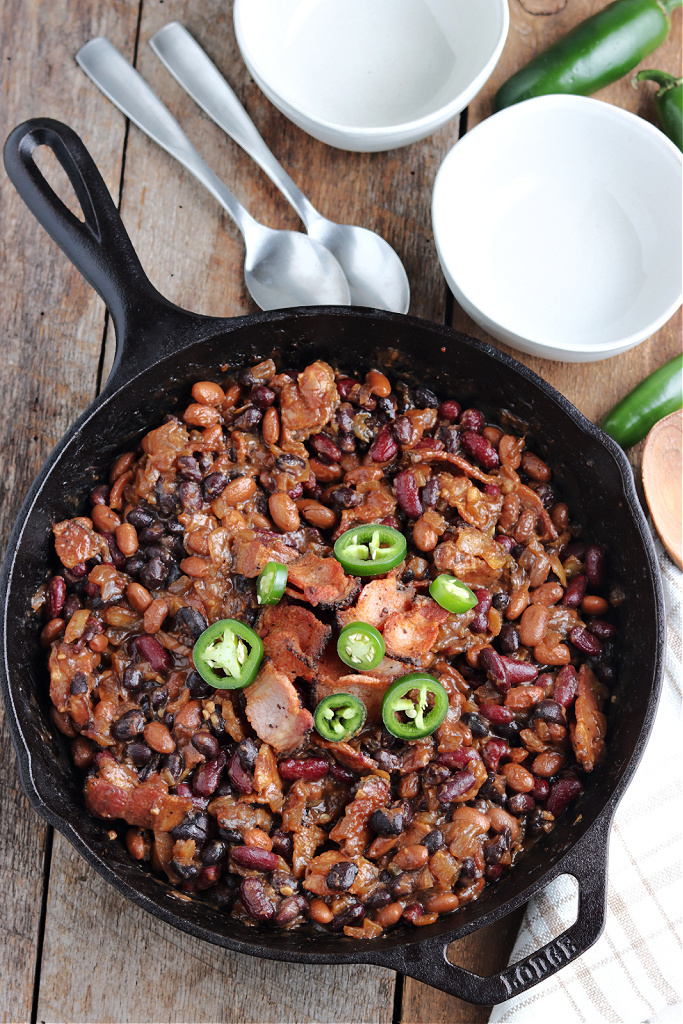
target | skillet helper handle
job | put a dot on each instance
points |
(98, 245)
(587, 862)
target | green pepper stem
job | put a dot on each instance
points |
(663, 79)
(669, 6)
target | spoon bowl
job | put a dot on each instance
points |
(282, 268)
(374, 272)
(663, 481)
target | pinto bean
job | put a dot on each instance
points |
(510, 450)
(197, 415)
(533, 624)
(519, 599)
(117, 491)
(270, 426)
(121, 466)
(238, 490)
(154, 615)
(316, 514)
(389, 915)
(159, 738)
(104, 519)
(138, 596)
(425, 536)
(521, 697)
(594, 605)
(552, 651)
(205, 392)
(324, 472)
(518, 778)
(195, 566)
(535, 468)
(547, 594)
(548, 764)
(442, 903)
(378, 384)
(284, 512)
(319, 912)
(411, 857)
(127, 539)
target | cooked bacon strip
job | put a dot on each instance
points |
(376, 602)
(474, 505)
(146, 805)
(233, 814)
(321, 581)
(65, 664)
(352, 832)
(274, 710)
(588, 732)
(409, 636)
(462, 464)
(251, 551)
(76, 541)
(365, 687)
(307, 406)
(473, 557)
(354, 759)
(293, 639)
(267, 781)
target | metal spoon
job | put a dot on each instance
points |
(375, 274)
(282, 268)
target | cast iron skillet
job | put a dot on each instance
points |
(160, 350)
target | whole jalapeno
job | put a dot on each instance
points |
(598, 51)
(655, 397)
(668, 102)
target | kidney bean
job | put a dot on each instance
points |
(576, 588)
(562, 793)
(594, 564)
(459, 758)
(255, 858)
(566, 684)
(495, 713)
(492, 663)
(341, 875)
(207, 776)
(345, 386)
(533, 624)
(255, 899)
(311, 768)
(521, 803)
(324, 447)
(449, 410)
(100, 495)
(206, 744)
(494, 749)
(455, 787)
(128, 725)
(602, 629)
(151, 650)
(385, 446)
(289, 909)
(585, 642)
(480, 622)
(517, 672)
(472, 420)
(341, 774)
(71, 606)
(480, 449)
(407, 493)
(55, 597)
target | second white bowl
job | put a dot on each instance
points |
(370, 75)
(558, 227)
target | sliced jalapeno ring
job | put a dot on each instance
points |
(340, 716)
(452, 594)
(228, 654)
(414, 706)
(361, 646)
(271, 583)
(370, 550)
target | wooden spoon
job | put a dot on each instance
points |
(663, 481)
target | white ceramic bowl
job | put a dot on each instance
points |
(558, 227)
(370, 75)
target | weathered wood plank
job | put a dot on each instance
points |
(592, 387)
(194, 255)
(52, 335)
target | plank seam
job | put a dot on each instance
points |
(47, 865)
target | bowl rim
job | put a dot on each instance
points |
(519, 112)
(387, 132)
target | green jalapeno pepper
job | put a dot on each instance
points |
(410, 718)
(371, 549)
(227, 655)
(452, 594)
(598, 51)
(339, 717)
(271, 583)
(361, 646)
(668, 102)
(655, 397)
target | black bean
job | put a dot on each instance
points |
(247, 752)
(195, 826)
(190, 496)
(501, 601)
(468, 869)
(387, 761)
(129, 725)
(341, 875)
(424, 398)
(174, 573)
(433, 841)
(477, 724)
(140, 518)
(79, 684)
(289, 909)
(508, 638)
(521, 803)
(132, 678)
(154, 574)
(351, 916)
(288, 461)
(173, 765)
(387, 822)
(495, 848)
(550, 711)
(139, 753)
(159, 697)
(387, 407)
(214, 851)
(247, 420)
(434, 774)
(188, 468)
(192, 620)
(71, 605)
(174, 526)
(345, 497)
(378, 898)
(206, 744)
(197, 686)
(135, 564)
(152, 533)
(230, 835)
(509, 730)
(213, 485)
(430, 492)
(160, 552)
(186, 871)
(283, 843)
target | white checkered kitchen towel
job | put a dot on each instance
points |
(634, 972)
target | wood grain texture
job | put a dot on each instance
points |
(51, 334)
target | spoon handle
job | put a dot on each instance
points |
(127, 90)
(201, 79)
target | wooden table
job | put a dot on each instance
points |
(72, 948)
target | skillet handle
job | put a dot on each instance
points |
(428, 961)
(99, 245)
